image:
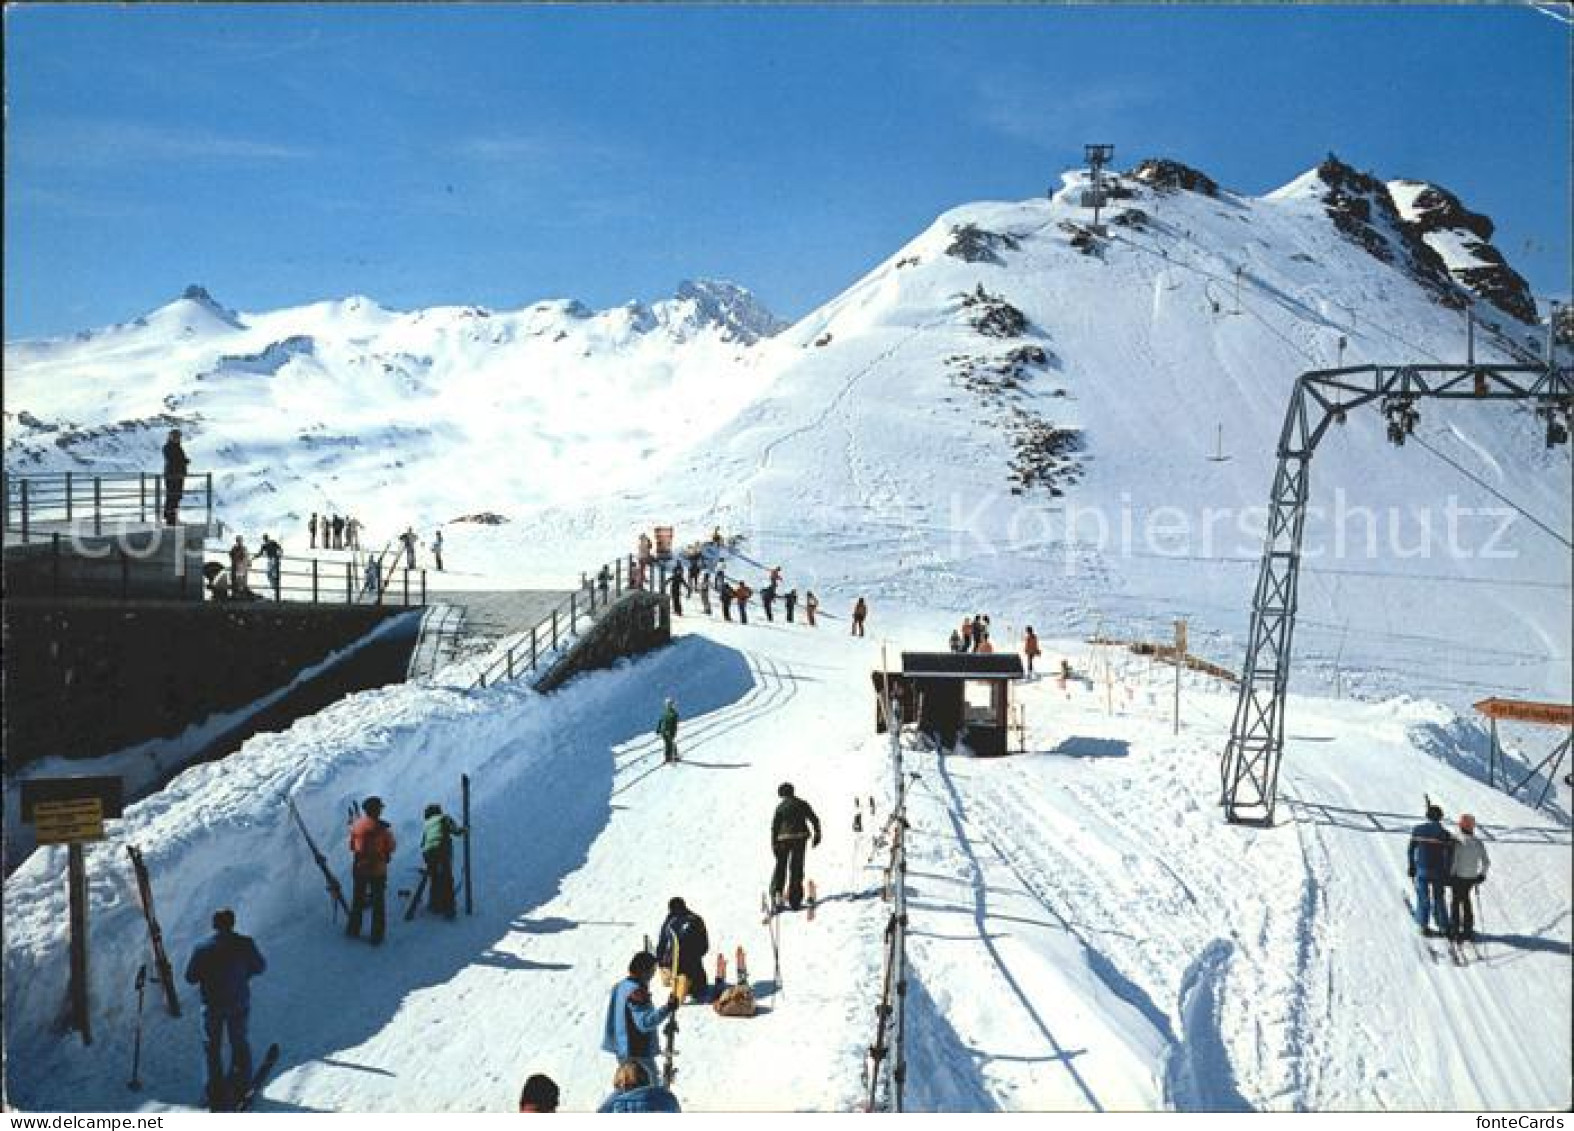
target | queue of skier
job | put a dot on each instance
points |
(1446, 871)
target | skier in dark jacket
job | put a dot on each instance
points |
(634, 1091)
(667, 731)
(724, 587)
(633, 1024)
(223, 966)
(175, 465)
(683, 932)
(311, 528)
(768, 600)
(438, 830)
(1431, 859)
(790, 840)
(274, 553)
(338, 532)
(860, 614)
(791, 601)
(675, 587)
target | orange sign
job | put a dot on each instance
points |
(1525, 711)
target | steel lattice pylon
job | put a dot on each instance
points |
(1249, 768)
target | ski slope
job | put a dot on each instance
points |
(1086, 934)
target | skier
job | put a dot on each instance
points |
(715, 537)
(791, 601)
(338, 533)
(685, 931)
(645, 557)
(742, 594)
(240, 563)
(634, 1092)
(675, 591)
(1030, 648)
(352, 532)
(775, 576)
(437, 550)
(768, 600)
(408, 539)
(1469, 871)
(223, 966)
(979, 632)
(725, 590)
(703, 589)
(790, 840)
(811, 605)
(1431, 858)
(604, 581)
(694, 569)
(956, 642)
(374, 575)
(275, 554)
(539, 1095)
(860, 614)
(175, 465)
(437, 850)
(372, 846)
(667, 729)
(966, 635)
(311, 528)
(632, 1024)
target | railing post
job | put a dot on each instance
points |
(423, 587)
(158, 499)
(98, 505)
(349, 586)
(209, 488)
(314, 581)
(68, 497)
(407, 588)
(142, 496)
(573, 614)
(619, 573)
(24, 510)
(510, 658)
(554, 630)
(533, 647)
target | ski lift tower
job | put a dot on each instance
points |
(1097, 156)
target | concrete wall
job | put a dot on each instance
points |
(636, 623)
(144, 563)
(86, 677)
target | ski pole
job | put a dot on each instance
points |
(135, 1083)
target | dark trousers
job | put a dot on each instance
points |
(440, 880)
(789, 870)
(370, 891)
(858, 626)
(677, 603)
(1431, 902)
(174, 490)
(726, 608)
(743, 612)
(225, 1087)
(670, 747)
(1462, 912)
(790, 606)
(769, 604)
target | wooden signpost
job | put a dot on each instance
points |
(72, 811)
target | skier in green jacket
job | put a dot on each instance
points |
(437, 850)
(667, 728)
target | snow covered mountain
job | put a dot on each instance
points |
(1013, 414)
(346, 406)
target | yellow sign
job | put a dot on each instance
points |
(66, 822)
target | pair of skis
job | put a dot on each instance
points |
(225, 1101)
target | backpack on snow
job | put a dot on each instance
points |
(736, 1001)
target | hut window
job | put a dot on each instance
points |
(979, 696)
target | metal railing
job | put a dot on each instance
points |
(94, 503)
(317, 582)
(593, 597)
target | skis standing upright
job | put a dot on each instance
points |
(670, 1031)
(135, 1083)
(166, 974)
(464, 819)
(335, 892)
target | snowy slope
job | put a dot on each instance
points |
(1087, 934)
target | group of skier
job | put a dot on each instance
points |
(339, 532)
(1446, 871)
(974, 636)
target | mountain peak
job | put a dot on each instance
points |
(725, 305)
(197, 295)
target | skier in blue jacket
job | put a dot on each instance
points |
(634, 1093)
(223, 965)
(1431, 858)
(633, 1026)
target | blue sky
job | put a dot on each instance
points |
(498, 155)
